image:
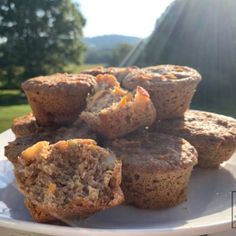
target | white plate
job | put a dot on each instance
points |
(207, 210)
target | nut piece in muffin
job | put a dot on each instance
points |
(213, 135)
(114, 112)
(171, 87)
(118, 72)
(58, 98)
(68, 179)
(76, 130)
(155, 168)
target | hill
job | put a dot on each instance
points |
(100, 49)
(109, 41)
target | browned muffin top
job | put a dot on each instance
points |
(151, 79)
(199, 123)
(152, 152)
(60, 82)
(173, 71)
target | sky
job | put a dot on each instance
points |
(126, 17)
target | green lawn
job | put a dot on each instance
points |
(8, 113)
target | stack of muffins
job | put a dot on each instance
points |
(109, 135)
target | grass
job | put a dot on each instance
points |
(8, 113)
(10, 92)
(12, 97)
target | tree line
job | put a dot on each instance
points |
(38, 37)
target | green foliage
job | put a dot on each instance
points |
(12, 97)
(119, 53)
(38, 37)
(98, 56)
(11, 112)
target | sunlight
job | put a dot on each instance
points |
(133, 18)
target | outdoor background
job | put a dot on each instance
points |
(43, 37)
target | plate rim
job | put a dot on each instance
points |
(35, 227)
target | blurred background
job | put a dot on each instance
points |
(43, 37)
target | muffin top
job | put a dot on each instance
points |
(151, 152)
(173, 71)
(164, 75)
(60, 82)
(200, 123)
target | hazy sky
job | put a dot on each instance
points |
(127, 17)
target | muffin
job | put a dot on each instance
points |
(38, 214)
(155, 168)
(76, 130)
(27, 126)
(114, 112)
(118, 72)
(171, 87)
(213, 135)
(24, 125)
(68, 179)
(58, 98)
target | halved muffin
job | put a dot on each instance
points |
(213, 135)
(155, 168)
(171, 87)
(68, 179)
(58, 98)
(114, 112)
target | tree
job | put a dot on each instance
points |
(38, 37)
(119, 53)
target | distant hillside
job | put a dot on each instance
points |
(109, 41)
(100, 49)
